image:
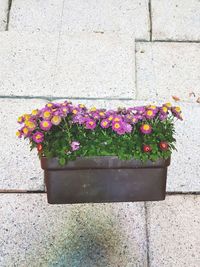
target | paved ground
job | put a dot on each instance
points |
(107, 53)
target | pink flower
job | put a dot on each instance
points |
(38, 137)
(146, 129)
(75, 145)
(45, 125)
(90, 124)
(105, 123)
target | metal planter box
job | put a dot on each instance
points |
(104, 179)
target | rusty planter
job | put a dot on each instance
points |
(104, 179)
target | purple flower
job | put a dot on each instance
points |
(105, 123)
(75, 145)
(128, 128)
(146, 128)
(46, 113)
(150, 114)
(90, 124)
(38, 137)
(45, 125)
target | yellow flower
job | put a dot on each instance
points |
(34, 112)
(93, 109)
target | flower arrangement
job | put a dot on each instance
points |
(67, 131)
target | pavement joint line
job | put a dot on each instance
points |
(150, 20)
(8, 15)
(147, 233)
(59, 97)
(169, 41)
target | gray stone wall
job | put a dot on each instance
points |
(103, 53)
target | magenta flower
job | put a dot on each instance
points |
(46, 113)
(146, 129)
(150, 114)
(45, 125)
(38, 137)
(118, 127)
(105, 123)
(90, 124)
(75, 145)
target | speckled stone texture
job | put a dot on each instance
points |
(175, 20)
(95, 65)
(174, 230)
(3, 14)
(34, 233)
(36, 16)
(20, 168)
(78, 16)
(27, 63)
(107, 16)
(184, 172)
(166, 69)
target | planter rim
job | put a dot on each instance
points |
(102, 162)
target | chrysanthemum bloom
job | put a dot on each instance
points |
(127, 127)
(102, 114)
(110, 118)
(117, 126)
(90, 124)
(81, 106)
(146, 129)
(168, 105)
(163, 110)
(26, 117)
(152, 107)
(176, 111)
(19, 134)
(35, 112)
(74, 111)
(150, 114)
(31, 125)
(49, 105)
(93, 109)
(46, 113)
(56, 120)
(117, 118)
(38, 137)
(20, 120)
(45, 125)
(140, 110)
(64, 110)
(25, 131)
(75, 145)
(105, 123)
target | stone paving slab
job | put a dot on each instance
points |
(3, 14)
(174, 230)
(166, 69)
(20, 168)
(175, 20)
(34, 233)
(36, 16)
(95, 65)
(27, 63)
(185, 163)
(107, 16)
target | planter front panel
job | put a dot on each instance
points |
(105, 185)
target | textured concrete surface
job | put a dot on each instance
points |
(95, 65)
(107, 16)
(20, 168)
(174, 230)
(166, 69)
(34, 233)
(36, 16)
(175, 20)
(27, 63)
(3, 14)
(184, 172)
